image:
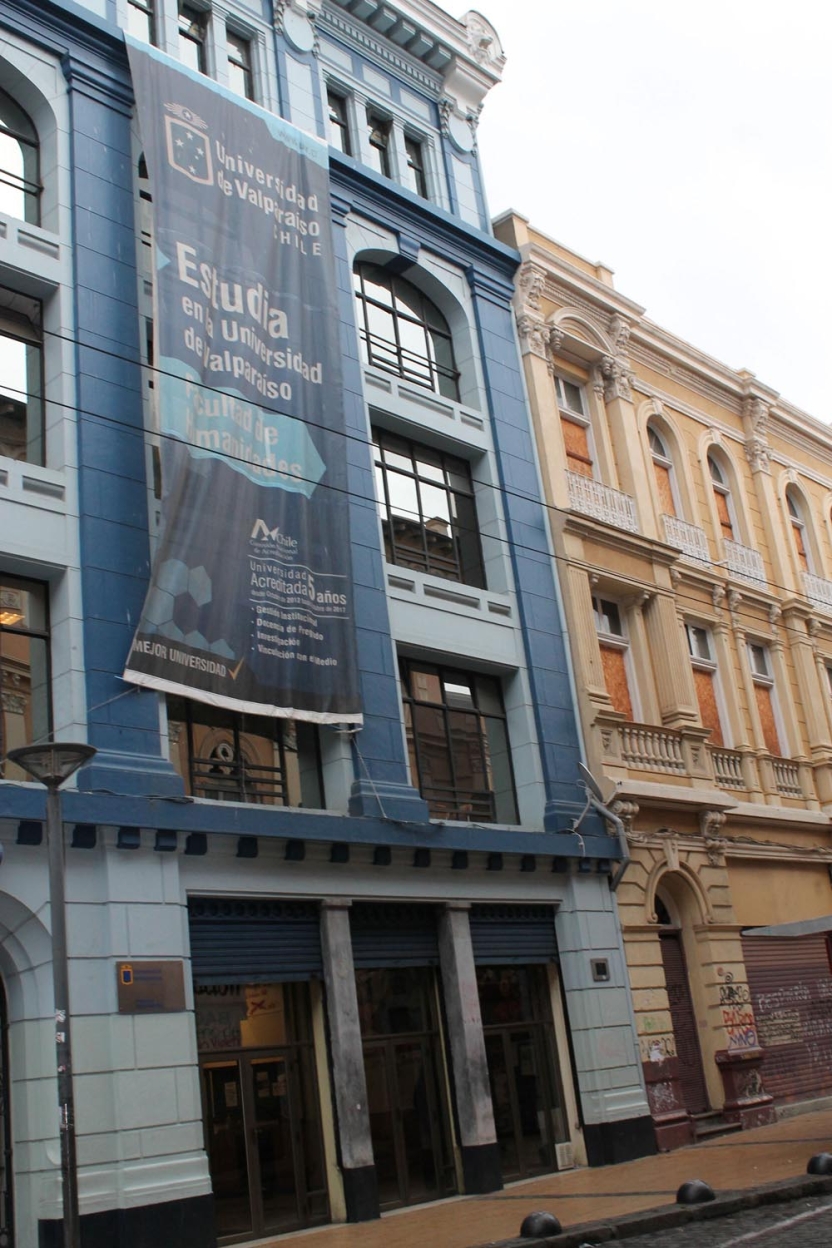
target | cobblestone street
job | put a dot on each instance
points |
(804, 1223)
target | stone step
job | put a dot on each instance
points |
(709, 1125)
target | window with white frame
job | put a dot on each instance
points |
(663, 472)
(193, 28)
(240, 67)
(706, 681)
(339, 122)
(759, 660)
(722, 497)
(415, 151)
(799, 532)
(21, 378)
(141, 20)
(577, 435)
(614, 646)
(379, 134)
(19, 162)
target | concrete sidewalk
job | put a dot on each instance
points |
(741, 1161)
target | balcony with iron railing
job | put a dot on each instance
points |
(818, 591)
(745, 563)
(602, 502)
(689, 538)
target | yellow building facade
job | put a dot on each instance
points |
(691, 516)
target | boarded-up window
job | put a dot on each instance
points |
(800, 545)
(613, 660)
(576, 441)
(666, 501)
(708, 709)
(765, 706)
(723, 513)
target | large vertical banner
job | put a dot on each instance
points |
(250, 601)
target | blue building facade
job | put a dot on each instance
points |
(401, 967)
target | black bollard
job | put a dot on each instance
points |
(694, 1192)
(536, 1224)
(821, 1163)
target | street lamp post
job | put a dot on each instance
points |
(52, 765)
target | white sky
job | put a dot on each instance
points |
(687, 146)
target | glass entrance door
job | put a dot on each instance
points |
(525, 1085)
(261, 1114)
(409, 1124)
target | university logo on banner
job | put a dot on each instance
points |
(250, 599)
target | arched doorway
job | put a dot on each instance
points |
(6, 1171)
(682, 1014)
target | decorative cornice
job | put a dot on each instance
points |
(534, 335)
(375, 50)
(730, 847)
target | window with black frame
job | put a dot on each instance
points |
(457, 740)
(229, 757)
(24, 668)
(403, 333)
(428, 515)
(141, 20)
(21, 378)
(19, 163)
(339, 124)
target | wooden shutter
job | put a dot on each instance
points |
(800, 544)
(576, 441)
(615, 679)
(708, 710)
(666, 502)
(765, 706)
(724, 514)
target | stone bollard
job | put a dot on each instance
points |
(821, 1163)
(537, 1224)
(694, 1192)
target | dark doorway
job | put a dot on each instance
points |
(402, 1062)
(682, 1015)
(261, 1109)
(526, 1090)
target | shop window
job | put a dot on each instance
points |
(240, 73)
(19, 163)
(21, 378)
(228, 757)
(663, 472)
(339, 125)
(193, 25)
(575, 426)
(141, 20)
(614, 647)
(428, 515)
(799, 532)
(759, 660)
(403, 333)
(458, 744)
(379, 132)
(723, 500)
(416, 164)
(24, 668)
(700, 648)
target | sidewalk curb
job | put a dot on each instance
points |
(668, 1216)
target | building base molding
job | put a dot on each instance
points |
(188, 1221)
(664, 1094)
(481, 1170)
(607, 1143)
(361, 1193)
(746, 1100)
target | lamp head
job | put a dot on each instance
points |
(54, 763)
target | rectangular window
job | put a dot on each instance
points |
(379, 135)
(229, 757)
(764, 692)
(24, 668)
(575, 427)
(192, 30)
(428, 515)
(21, 378)
(339, 126)
(704, 679)
(141, 20)
(458, 744)
(416, 165)
(240, 75)
(612, 641)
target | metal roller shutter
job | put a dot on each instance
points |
(513, 935)
(791, 992)
(239, 941)
(385, 935)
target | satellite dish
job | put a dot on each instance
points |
(590, 782)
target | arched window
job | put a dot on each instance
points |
(722, 497)
(663, 470)
(799, 534)
(19, 173)
(403, 333)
